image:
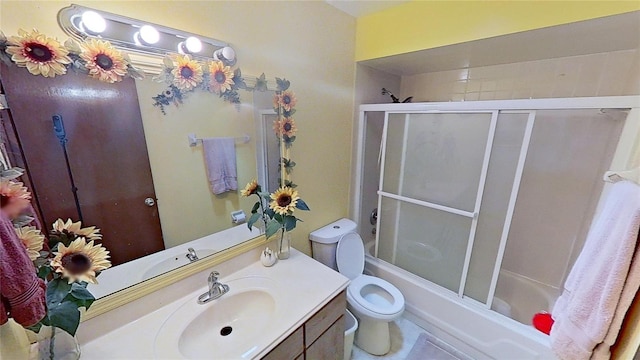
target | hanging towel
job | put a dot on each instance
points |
(22, 293)
(584, 312)
(220, 159)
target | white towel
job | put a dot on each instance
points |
(584, 312)
(220, 159)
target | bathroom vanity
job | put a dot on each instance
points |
(292, 310)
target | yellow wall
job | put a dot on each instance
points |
(422, 25)
(310, 43)
(188, 209)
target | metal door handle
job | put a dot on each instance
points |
(149, 202)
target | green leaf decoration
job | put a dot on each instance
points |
(252, 220)
(272, 228)
(261, 83)
(289, 222)
(43, 272)
(302, 205)
(57, 289)
(5, 58)
(289, 113)
(282, 84)
(65, 316)
(80, 296)
(10, 174)
(22, 220)
(255, 207)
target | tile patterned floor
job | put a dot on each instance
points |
(404, 334)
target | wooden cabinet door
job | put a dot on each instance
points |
(107, 153)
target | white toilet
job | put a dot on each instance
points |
(374, 302)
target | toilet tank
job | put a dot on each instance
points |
(324, 241)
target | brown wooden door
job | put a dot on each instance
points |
(107, 154)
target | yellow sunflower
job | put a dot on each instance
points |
(32, 239)
(14, 198)
(284, 200)
(103, 61)
(286, 126)
(41, 55)
(220, 77)
(75, 228)
(251, 188)
(80, 261)
(287, 100)
(187, 74)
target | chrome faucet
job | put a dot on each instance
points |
(192, 256)
(216, 289)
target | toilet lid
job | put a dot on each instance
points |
(350, 255)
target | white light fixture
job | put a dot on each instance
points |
(227, 55)
(148, 35)
(93, 22)
(141, 36)
(193, 44)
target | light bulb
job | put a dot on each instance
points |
(228, 53)
(193, 44)
(93, 22)
(149, 34)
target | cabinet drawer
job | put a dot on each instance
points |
(289, 349)
(323, 319)
(330, 345)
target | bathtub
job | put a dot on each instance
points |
(519, 297)
(463, 323)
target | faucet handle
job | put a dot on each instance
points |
(213, 278)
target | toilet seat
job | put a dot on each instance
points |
(350, 262)
(355, 292)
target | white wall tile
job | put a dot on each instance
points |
(603, 74)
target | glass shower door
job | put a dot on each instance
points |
(434, 169)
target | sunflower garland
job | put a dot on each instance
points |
(182, 74)
(103, 61)
(46, 56)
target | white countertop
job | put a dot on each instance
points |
(135, 271)
(309, 284)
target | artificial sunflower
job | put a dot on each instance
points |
(286, 126)
(32, 239)
(187, 74)
(40, 54)
(14, 197)
(287, 100)
(284, 200)
(80, 261)
(75, 229)
(251, 188)
(103, 61)
(220, 77)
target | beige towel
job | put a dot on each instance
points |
(592, 294)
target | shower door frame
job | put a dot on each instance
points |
(626, 153)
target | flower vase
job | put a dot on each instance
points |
(56, 344)
(284, 244)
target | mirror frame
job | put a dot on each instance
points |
(137, 66)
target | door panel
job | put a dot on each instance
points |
(107, 155)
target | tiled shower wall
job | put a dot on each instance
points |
(603, 74)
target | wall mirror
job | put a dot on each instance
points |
(113, 156)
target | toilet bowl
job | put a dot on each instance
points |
(374, 301)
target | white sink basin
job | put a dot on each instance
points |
(173, 262)
(229, 327)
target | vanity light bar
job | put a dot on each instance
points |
(81, 22)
